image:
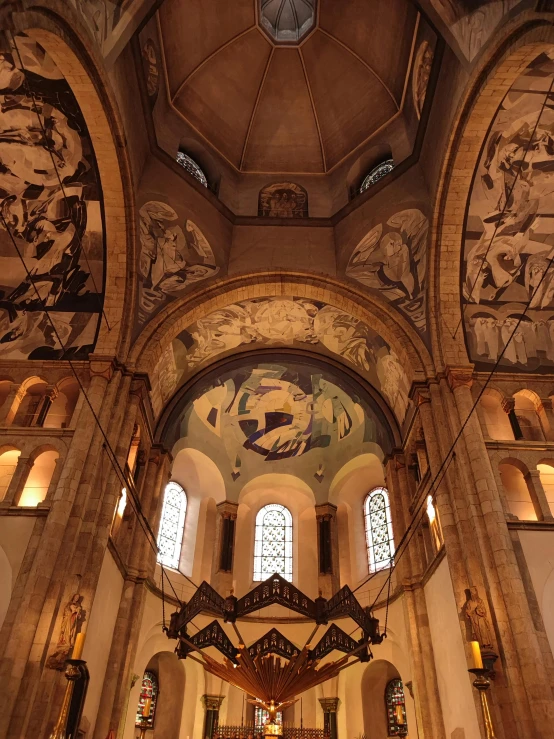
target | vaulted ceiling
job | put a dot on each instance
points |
(295, 107)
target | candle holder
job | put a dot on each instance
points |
(482, 683)
(72, 673)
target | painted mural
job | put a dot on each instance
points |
(283, 200)
(172, 257)
(509, 236)
(108, 20)
(151, 61)
(51, 213)
(283, 321)
(473, 22)
(392, 259)
(260, 413)
(420, 77)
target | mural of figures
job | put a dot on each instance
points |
(283, 200)
(172, 257)
(51, 212)
(471, 22)
(508, 240)
(420, 77)
(392, 259)
(151, 62)
(284, 321)
(260, 413)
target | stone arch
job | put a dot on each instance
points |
(63, 37)
(176, 317)
(528, 409)
(494, 415)
(41, 474)
(9, 456)
(5, 585)
(171, 681)
(62, 408)
(515, 47)
(514, 476)
(375, 679)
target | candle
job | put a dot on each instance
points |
(78, 646)
(476, 654)
(146, 707)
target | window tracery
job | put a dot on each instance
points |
(378, 530)
(148, 690)
(395, 704)
(191, 167)
(273, 542)
(172, 524)
(377, 173)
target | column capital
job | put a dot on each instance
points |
(459, 376)
(212, 702)
(158, 454)
(419, 393)
(227, 509)
(329, 705)
(325, 510)
(140, 385)
(102, 366)
(508, 405)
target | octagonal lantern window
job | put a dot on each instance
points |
(287, 21)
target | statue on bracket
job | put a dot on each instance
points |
(476, 613)
(73, 617)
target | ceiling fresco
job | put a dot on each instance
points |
(508, 240)
(51, 213)
(283, 321)
(252, 417)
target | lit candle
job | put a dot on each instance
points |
(476, 654)
(146, 707)
(78, 646)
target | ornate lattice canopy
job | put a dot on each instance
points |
(273, 669)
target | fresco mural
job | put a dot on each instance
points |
(509, 239)
(392, 259)
(285, 321)
(420, 77)
(283, 200)
(471, 22)
(151, 61)
(51, 212)
(172, 258)
(108, 20)
(260, 413)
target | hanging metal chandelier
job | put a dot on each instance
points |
(273, 670)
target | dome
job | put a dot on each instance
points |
(288, 86)
(287, 21)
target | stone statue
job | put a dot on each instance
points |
(73, 616)
(476, 613)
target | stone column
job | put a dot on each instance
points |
(11, 404)
(18, 481)
(50, 395)
(538, 495)
(224, 546)
(212, 704)
(509, 408)
(330, 707)
(546, 417)
(533, 707)
(328, 548)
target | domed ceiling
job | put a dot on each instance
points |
(287, 85)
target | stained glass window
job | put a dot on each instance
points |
(170, 536)
(377, 173)
(261, 717)
(149, 689)
(378, 530)
(273, 543)
(192, 168)
(395, 705)
(122, 502)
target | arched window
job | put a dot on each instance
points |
(378, 530)
(170, 536)
(377, 173)
(395, 705)
(148, 690)
(273, 543)
(192, 167)
(261, 717)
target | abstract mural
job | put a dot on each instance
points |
(51, 213)
(509, 236)
(107, 20)
(392, 259)
(420, 77)
(172, 257)
(151, 61)
(282, 321)
(264, 412)
(283, 200)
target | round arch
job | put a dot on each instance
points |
(370, 309)
(516, 46)
(72, 53)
